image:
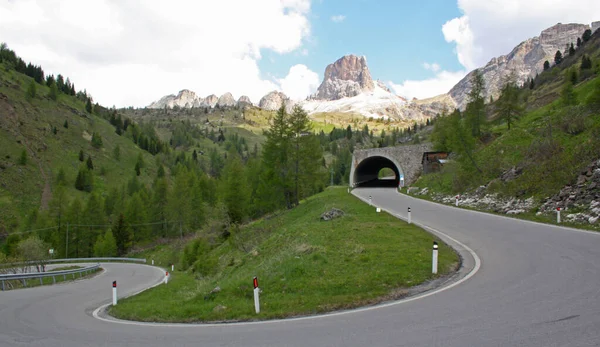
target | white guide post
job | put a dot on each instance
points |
(409, 216)
(167, 277)
(152, 261)
(434, 261)
(114, 293)
(370, 201)
(457, 197)
(558, 215)
(172, 267)
(256, 294)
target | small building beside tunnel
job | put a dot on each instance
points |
(433, 161)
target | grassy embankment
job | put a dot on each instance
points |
(304, 266)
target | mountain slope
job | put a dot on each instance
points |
(526, 60)
(29, 125)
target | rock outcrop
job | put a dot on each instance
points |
(274, 100)
(244, 101)
(185, 98)
(226, 100)
(347, 77)
(524, 61)
(210, 101)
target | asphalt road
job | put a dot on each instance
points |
(537, 285)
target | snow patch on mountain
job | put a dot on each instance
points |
(378, 103)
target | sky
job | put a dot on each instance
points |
(131, 52)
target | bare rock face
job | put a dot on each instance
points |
(226, 100)
(244, 101)
(185, 98)
(210, 101)
(274, 100)
(524, 61)
(347, 77)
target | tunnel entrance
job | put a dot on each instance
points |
(367, 173)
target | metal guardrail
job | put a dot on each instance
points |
(76, 260)
(23, 277)
(83, 260)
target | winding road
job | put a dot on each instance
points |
(537, 285)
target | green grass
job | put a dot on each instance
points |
(304, 266)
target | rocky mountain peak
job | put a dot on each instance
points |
(347, 77)
(226, 100)
(185, 98)
(210, 101)
(244, 101)
(274, 100)
(524, 61)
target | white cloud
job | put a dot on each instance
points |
(125, 53)
(300, 82)
(435, 67)
(492, 28)
(421, 89)
(338, 19)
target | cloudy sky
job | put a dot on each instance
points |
(130, 53)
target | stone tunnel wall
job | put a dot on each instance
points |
(409, 157)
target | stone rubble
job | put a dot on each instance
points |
(580, 202)
(331, 214)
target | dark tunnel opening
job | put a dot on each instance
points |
(366, 174)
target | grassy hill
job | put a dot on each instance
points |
(36, 127)
(304, 265)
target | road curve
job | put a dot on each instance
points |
(538, 285)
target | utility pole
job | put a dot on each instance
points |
(67, 242)
(331, 184)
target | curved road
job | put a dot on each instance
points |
(538, 285)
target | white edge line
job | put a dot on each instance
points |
(327, 315)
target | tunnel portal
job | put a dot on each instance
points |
(366, 173)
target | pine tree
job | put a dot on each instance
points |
(586, 62)
(579, 42)
(81, 155)
(96, 140)
(587, 35)
(89, 163)
(475, 112)
(558, 57)
(53, 91)
(122, 235)
(137, 169)
(276, 152)
(571, 50)
(88, 106)
(23, 157)
(105, 246)
(508, 103)
(66, 124)
(546, 65)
